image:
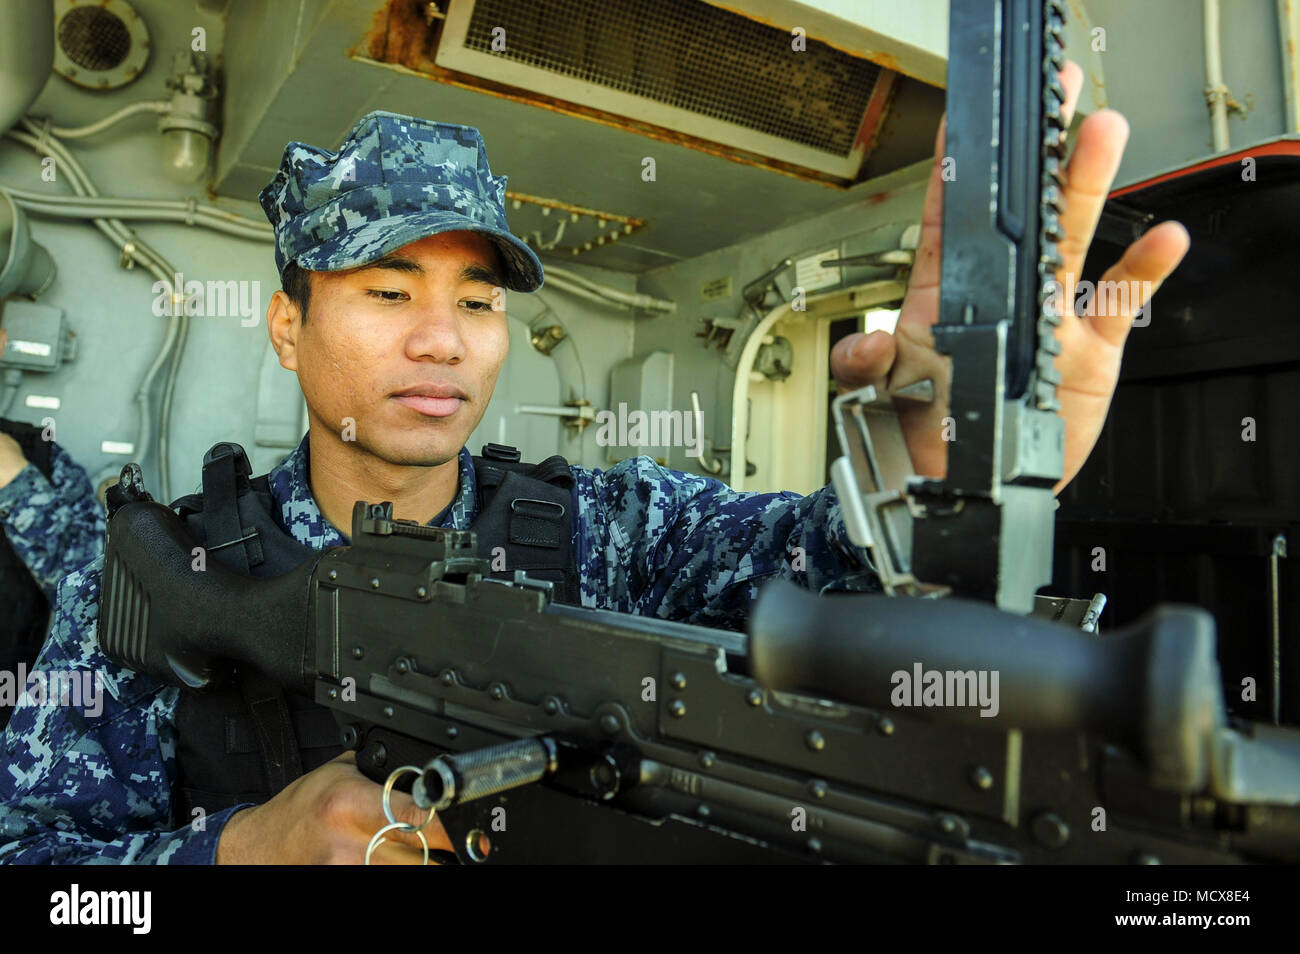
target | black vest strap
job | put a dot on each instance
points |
(24, 603)
(525, 522)
(225, 478)
(276, 738)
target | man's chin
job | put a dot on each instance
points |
(401, 454)
(406, 450)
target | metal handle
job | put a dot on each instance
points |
(709, 466)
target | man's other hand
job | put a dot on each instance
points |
(1092, 343)
(327, 816)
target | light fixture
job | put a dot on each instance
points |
(187, 133)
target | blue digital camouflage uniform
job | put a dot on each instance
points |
(55, 525)
(647, 539)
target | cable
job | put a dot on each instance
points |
(81, 132)
(38, 139)
(633, 299)
(151, 209)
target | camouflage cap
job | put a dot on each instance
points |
(395, 180)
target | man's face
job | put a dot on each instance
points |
(408, 348)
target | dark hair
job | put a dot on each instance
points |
(296, 283)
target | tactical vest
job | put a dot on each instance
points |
(247, 741)
(26, 612)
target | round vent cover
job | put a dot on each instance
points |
(99, 44)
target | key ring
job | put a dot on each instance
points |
(379, 839)
(388, 791)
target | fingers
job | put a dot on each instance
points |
(408, 812)
(1072, 79)
(1089, 175)
(860, 359)
(925, 269)
(1137, 275)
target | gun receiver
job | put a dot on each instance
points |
(607, 737)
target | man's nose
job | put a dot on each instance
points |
(437, 333)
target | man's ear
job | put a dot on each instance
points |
(283, 324)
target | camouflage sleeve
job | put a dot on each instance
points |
(87, 759)
(56, 525)
(659, 542)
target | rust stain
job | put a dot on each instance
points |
(398, 33)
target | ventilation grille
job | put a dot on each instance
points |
(682, 65)
(99, 44)
(692, 56)
(94, 39)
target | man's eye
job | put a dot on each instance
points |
(384, 295)
(477, 306)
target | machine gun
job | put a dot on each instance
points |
(554, 733)
(841, 728)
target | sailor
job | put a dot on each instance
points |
(393, 253)
(53, 525)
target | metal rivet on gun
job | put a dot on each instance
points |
(815, 740)
(421, 591)
(609, 723)
(358, 652)
(818, 788)
(388, 712)
(374, 582)
(707, 759)
(498, 692)
(885, 725)
(1050, 830)
(981, 777)
(754, 697)
(678, 681)
(677, 708)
